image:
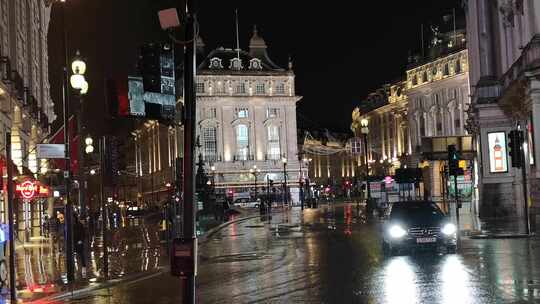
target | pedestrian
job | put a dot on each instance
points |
(78, 239)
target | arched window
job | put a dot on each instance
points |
(424, 77)
(458, 66)
(209, 144)
(274, 150)
(242, 142)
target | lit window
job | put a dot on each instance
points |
(220, 88)
(272, 112)
(260, 88)
(242, 113)
(280, 88)
(242, 142)
(240, 88)
(209, 144)
(211, 113)
(200, 87)
(274, 151)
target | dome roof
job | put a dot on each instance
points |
(256, 41)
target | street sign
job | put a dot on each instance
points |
(51, 151)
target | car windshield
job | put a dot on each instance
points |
(416, 210)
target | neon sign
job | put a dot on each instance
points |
(31, 189)
(27, 189)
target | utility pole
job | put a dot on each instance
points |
(189, 144)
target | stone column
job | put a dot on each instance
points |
(461, 118)
(383, 126)
(452, 110)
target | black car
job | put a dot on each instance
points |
(418, 224)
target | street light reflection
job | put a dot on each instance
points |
(455, 281)
(399, 282)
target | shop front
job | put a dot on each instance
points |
(31, 205)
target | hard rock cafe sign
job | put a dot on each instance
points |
(31, 189)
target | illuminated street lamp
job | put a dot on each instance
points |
(255, 172)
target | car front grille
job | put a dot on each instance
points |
(424, 231)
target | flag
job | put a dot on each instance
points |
(74, 140)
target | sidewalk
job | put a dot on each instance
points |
(40, 263)
(135, 251)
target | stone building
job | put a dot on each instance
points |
(26, 108)
(328, 157)
(388, 139)
(412, 121)
(438, 100)
(246, 119)
(504, 54)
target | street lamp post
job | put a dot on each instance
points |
(285, 198)
(255, 172)
(77, 82)
(302, 181)
(365, 131)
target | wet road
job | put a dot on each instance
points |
(331, 255)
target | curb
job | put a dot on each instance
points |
(500, 236)
(101, 285)
(135, 277)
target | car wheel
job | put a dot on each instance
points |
(451, 249)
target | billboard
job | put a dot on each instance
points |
(149, 104)
(498, 161)
(136, 96)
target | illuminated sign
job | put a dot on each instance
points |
(498, 161)
(31, 189)
(27, 189)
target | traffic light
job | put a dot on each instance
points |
(149, 66)
(453, 160)
(515, 144)
(157, 68)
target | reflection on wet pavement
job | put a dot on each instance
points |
(133, 248)
(332, 255)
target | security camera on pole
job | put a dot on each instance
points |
(184, 250)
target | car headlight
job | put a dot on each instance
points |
(397, 232)
(449, 229)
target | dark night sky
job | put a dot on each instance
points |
(342, 50)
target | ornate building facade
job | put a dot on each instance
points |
(246, 117)
(26, 108)
(504, 55)
(411, 122)
(246, 120)
(388, 140)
